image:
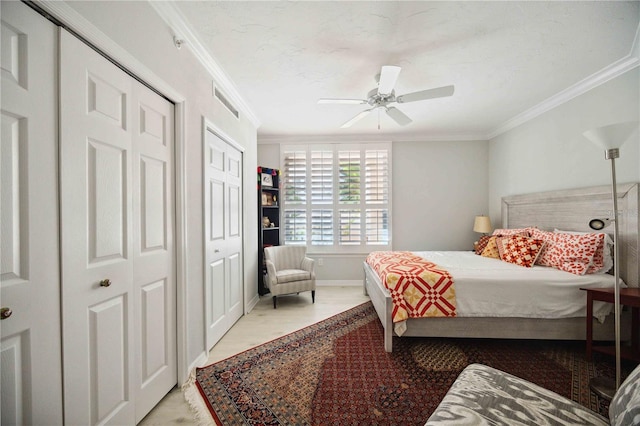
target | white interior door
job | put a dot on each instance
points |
(118, 291)
(29, 285)
(223, 236)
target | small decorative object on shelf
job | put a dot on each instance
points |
(267, 179)
(268, 218)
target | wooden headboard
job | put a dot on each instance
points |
(572, 210)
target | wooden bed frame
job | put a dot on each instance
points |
(566, 210)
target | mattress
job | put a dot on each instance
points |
(487, 287)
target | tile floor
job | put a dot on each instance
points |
(261, 325)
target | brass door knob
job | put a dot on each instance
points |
(105, 283)
(5, 313)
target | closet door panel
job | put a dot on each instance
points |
(108, 345)
(97, 236)
(106, 202)
(30, 349)
(154, 284)
(234, 232)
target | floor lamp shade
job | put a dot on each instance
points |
(613, 135)
(610, 138)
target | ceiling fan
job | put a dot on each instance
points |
(384, 95)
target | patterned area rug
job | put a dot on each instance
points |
(337, 372)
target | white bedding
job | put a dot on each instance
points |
(488, 287)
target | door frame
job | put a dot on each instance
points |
(83, 28)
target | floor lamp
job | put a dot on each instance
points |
(611, 138)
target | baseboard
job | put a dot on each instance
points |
(339, 283)
(252, 304)
(200, 361)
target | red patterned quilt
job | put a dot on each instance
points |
(419, 288)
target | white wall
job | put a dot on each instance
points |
(137, 28)
(438, 189)
(549, 152)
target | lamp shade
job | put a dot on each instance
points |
(482, 224)
(613, 135)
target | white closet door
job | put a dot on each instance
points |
(30, 349)
(153, 249)
(223, 236)
(118, 292)
(97, 236)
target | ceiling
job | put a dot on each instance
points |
(505, 58)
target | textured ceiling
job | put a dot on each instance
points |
(504, 58)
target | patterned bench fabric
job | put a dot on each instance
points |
(482, 395)
(625, 406)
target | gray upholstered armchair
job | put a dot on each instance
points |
(289, 271)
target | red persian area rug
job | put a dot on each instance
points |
(336, 372)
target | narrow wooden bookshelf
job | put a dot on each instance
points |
(268, 218)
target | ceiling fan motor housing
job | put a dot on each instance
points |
(376, 99)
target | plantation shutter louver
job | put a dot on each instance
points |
(377, 192)
(295, 180)
(295, 193)
(349, 176)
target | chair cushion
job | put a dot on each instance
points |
(625, 405)
(286, 257)
(289, 275)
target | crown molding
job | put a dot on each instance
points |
(359, 138)
(172, 16)
(616, 69)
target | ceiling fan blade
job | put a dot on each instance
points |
(342, 101)
(358, 117)
(388, 76)
(398, 116)
(422, 95)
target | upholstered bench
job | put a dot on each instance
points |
(482, 395)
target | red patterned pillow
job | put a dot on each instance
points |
(519, 250)
(602, 261)
(568, 252)
(598, 259)
(515, 231)
(482, 243)
(510, 232)
(547, 237)
(491, 250)
(501, 240)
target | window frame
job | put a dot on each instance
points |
(335, 205)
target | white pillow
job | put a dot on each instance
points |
(607, 252)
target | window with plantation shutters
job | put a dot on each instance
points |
(336, 196)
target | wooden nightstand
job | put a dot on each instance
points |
(629, 297)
